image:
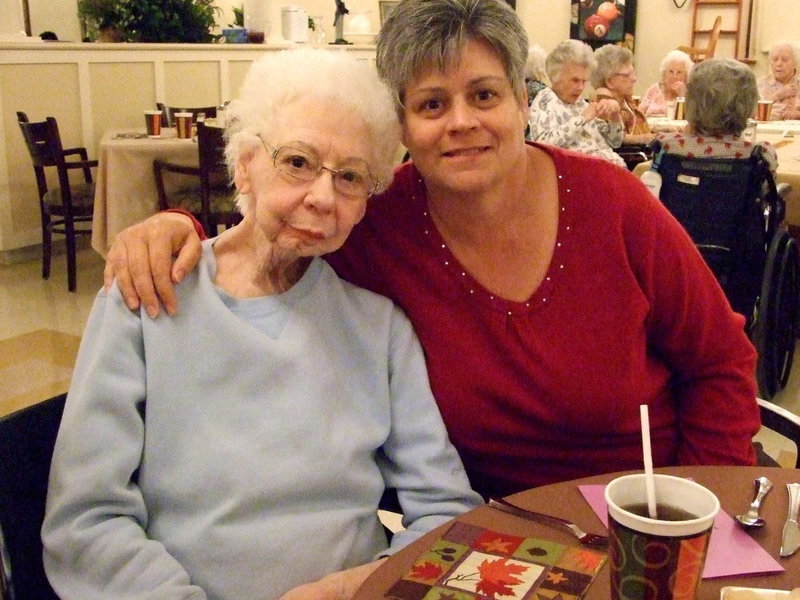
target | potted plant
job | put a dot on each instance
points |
(172, 20)
(104, 20)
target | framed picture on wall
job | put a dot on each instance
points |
(386, 7)
(603, 22)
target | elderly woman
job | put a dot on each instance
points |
(675, 68)
(560, 117)
(782, 85)
(535, 72)
(720, 97)
(551, 292)
(613, 79)
(240, 448)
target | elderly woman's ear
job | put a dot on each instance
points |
(241, 173)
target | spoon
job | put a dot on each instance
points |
(751, 518)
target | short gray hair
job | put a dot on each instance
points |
(610, 59)
(423, 34)
(279, 79)
(534, 66)
(793, 48)
(675, 56)
(569, 52)
(721, 95)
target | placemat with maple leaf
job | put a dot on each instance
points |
(470, 563)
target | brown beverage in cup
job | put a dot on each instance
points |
(764, 110)
(680, 106)
(183, 123)
(153, 121)
(676, 543)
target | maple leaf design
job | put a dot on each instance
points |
(556, 577)
(497, 545)
(426, 571)
(497, 576)
(589, 560)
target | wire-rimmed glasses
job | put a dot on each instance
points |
(353, 180)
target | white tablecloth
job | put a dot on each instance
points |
(126, 189)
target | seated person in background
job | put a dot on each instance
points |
(721, 95)
(782, 84)
(239, 448)
(535, 72)
(675, 69)
(613, 78)
(560, 117)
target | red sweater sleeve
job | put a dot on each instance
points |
(198, 227)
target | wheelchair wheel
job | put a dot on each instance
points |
(775, 332)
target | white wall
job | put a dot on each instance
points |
(661, 26)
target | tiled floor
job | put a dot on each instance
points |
(41, 324)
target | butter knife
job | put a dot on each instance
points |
(790, 541)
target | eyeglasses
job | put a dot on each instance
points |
(305, 165)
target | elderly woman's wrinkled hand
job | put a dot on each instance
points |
(336, 586)
(787, 91)
(141, 261)
(608, 110)
(678, 88)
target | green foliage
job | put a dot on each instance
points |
(238, 16)
(153, 21)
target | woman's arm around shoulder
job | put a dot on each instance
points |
(141, 260)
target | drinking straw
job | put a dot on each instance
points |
(649, 482)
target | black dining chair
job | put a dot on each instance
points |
(210, 196)
(66, 209)
(168, 113)
(27, 439)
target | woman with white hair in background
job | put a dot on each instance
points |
(613, 78)
(782, 84)
(240, 448)
(559, 116)
(675, 68)
(535, 72)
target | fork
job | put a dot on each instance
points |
(587, 539)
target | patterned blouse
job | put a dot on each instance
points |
(768, 87)
(717, 146)
(559, 124)
(654, 101)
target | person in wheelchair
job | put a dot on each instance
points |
(721, 188)
(721, 95)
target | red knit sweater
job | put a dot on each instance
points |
(546, 390)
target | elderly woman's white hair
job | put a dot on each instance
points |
(535, 65)
(569, 52)
(720, 96)
(279, 79)
(610, 59)
(791, 46)
(675, 56)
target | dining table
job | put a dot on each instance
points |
(125, 189)
(733, 486)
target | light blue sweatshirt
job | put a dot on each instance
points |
(239, 448)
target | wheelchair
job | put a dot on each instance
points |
(734, 212)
